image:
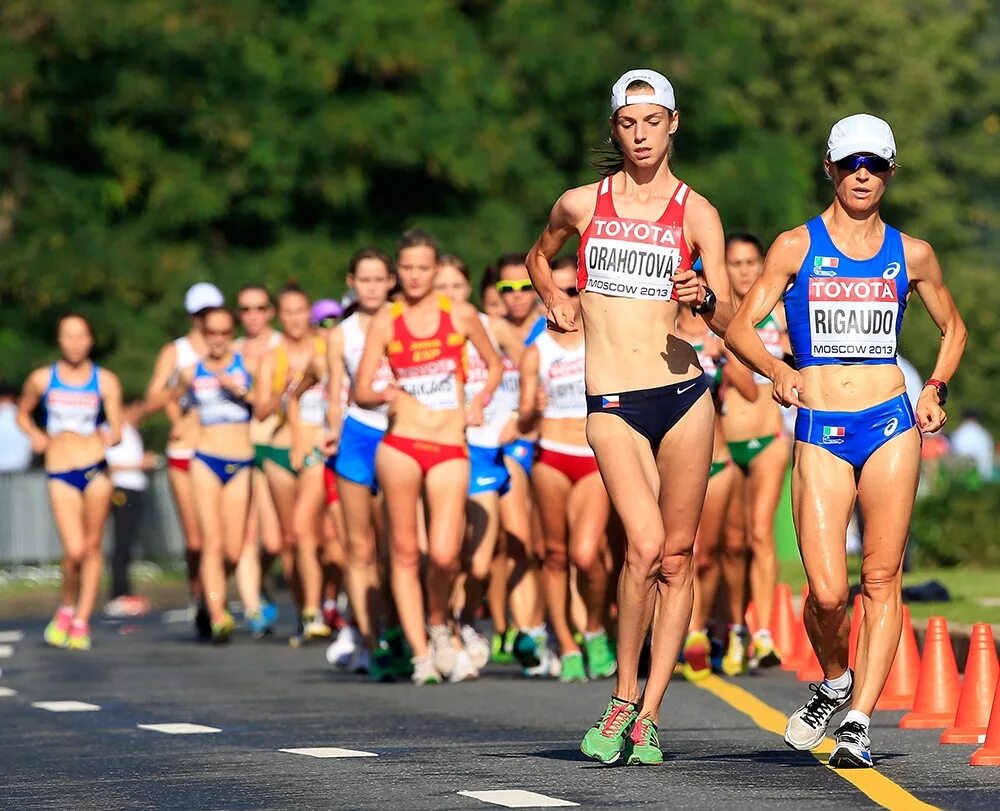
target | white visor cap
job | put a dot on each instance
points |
(861, 133)
(663, 91)
(201, 296)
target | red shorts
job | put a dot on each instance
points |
(573, 466)
(330, 480)
(426, 454)
(181, 463)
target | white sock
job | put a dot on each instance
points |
(858, 717)
(591, 635)
(842, 683)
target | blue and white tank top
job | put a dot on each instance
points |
(217, 405)
(846, 311)
(73, 409)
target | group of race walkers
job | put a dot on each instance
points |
(622, 416)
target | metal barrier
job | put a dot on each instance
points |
(28, 533)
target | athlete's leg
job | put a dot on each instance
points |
(482, 528)
(209, 505)
(683, 460)
(632, 480)
(234, 501)
(68, 513)
(334, 550)
(552, 490)
(96, 507)
(183, 492)
(523, 576)
(248, 572)
(445, 487)
(496, 589)
(282, 486)
(823, 492)
(706, 545)
(767, 475)
(310, 498)
(734, 549)
(588, 511)
(886, 491)
(400, 477)
(362, 571)
(269, 526)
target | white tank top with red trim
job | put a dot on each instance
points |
(630, 258)
(560, 370)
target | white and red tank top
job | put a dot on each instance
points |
(354, 336)
(630, 258)
(505, 399)
(561, 372)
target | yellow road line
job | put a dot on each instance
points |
(876, 786)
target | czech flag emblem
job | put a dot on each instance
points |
(610, 401)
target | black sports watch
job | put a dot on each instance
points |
(940, 387)
(707, 305)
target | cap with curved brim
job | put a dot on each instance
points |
(202, 296)
(324, 309)
(861, 133)
(663, 91)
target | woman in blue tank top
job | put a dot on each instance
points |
(83, 412)
(846, 277)
(219, 386)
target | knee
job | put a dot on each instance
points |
(827, 598)
(361, 551)
(705, 559)
(556, 558)
(735, 542)
(444, 560)
(586, 557)
(479, 568)
(75, 555)
(762, 539)
(644, 554)
(676, 568)
(880, 581)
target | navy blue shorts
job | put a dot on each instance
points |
(651, 412)
(855, 435)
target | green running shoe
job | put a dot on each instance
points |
(381, 665)
(572, 668)
(223, 629)
(500, 652)
(642, 748)
(601, 661)
(605, 739)
(402, 665)
(57, 631)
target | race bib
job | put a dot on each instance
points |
(853, 318)
(435, 385)
(632, 259)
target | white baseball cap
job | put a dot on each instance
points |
(663, 91)
(201, 296)
(861, 133)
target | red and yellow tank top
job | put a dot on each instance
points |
(630, 258)
(431, 368)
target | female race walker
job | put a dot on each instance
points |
(423, 336)
(754, 431)
(78, 396)
(571, 498)
(219, 386)
(845, 277)
(650, 412)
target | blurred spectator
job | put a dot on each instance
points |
(15, 446)
(128, 463)
(972, 440)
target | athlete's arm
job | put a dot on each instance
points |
(528, 411)
(569, 212)
(181, 387)
(265, 401)
(925, 276)
(507, 338)
(468, 321)
(782, 263)
(379, 335)
(739, 377)
(335, 379)
(158, 392)
(111, 393)
(703, 226)
(31, 395)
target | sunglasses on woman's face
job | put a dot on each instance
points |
(873, 163)
(218, 333)
(255, 308)
(515, 286)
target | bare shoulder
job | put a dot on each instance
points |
(576, 206)
(108, 379)
(918, 252)
(789, 249)
(38, 380)
(465, 313)
(697, 205)
(381, 322)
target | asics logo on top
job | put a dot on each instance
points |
(890, 427)
(891, 270)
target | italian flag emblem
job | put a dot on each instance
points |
(833, 431)
(825, 261)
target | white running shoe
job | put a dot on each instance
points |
(464, 669)
(360, 660)
(442, 648)
(548, 662)
(807, 726)
(343, 648)
(476, 646)
(424, 671)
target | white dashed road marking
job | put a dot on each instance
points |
(328, 751)
(177, 615)
(178, 729)
(517, 798)
(11, 636)
(7, 692)
(6, 651)
(65, 706)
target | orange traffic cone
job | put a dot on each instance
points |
(750, 618)
(799, 653)
(901, 686)
(809, 668)
(937, 689)
(989, 754)
(978, 686)
(857, 615)
(783, 619)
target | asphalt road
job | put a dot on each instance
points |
(500, 734)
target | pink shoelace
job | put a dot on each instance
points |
(618, 715)
(637, 730)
